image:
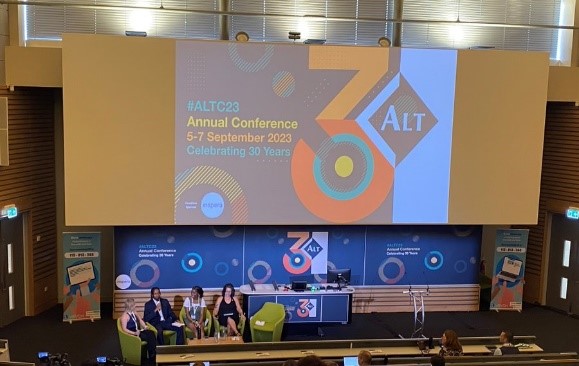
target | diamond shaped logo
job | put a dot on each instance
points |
(402, 120)
(312, 248)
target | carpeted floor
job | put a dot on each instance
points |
(85, 340)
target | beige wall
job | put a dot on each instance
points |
(4, 41)
(563, 81)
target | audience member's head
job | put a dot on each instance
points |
(450, 340)
(506, 337)
(330, 363)
(198, 363)
(437, 360)
(364, 358)
(290, 363)
(311, 360)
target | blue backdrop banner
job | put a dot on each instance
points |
(178, 257)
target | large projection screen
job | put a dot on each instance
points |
(164, 132)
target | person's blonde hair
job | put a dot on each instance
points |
(129, 304)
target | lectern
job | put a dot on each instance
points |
(417, 298)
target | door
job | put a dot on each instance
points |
(563, 275)
(11, 270)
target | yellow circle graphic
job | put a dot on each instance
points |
(344, 166)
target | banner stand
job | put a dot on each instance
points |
(81, 271)
(509, 269)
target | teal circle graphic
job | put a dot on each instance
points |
(356, 191)
(433, 266)
(187, 267)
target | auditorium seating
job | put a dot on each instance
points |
(406, 349)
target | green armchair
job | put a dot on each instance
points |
(219, 328)
(132, 347)
(267, 324)
(208, 321)
(169, 336)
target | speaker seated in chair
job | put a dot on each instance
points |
(207, 323)
(169, 336)
(228, 314)
(132, 347)
(223, 328)
(137, 339)
(267, 324)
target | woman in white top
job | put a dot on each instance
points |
(195, 310)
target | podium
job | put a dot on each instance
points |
(417, 298)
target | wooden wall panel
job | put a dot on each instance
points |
(559, 182)
(29, 182)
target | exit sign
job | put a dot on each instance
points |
(10, 211)
(573, 213)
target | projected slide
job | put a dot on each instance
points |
(323, 134)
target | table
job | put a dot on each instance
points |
(319, 306)
(241, 354)
(208, 341)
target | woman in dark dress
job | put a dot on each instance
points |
(133, 324)
(228, 311)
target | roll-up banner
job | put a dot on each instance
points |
(509, 269)
(81, 271)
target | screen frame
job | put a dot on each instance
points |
(333, 275)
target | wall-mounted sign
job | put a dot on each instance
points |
(10, 211)
(573, 213)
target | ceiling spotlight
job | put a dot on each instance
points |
(384, 42)
(294, 35)
(242, 37)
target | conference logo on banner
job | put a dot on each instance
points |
(308, 253)
(81, 270)
(307, 308)
(509, 269)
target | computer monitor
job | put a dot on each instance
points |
(350, 360)
(341, 276)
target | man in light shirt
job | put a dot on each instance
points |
(159, 314)
(506, 338)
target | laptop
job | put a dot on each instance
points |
(510, 270)
(351, 361)
(299, 286)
